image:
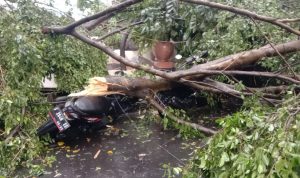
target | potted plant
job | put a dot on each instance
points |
(159, 30)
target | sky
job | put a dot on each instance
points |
(60, 4)
(77, 14)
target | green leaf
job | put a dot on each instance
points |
(260, 168)
(271, 127)
(177, 170)
(265, 159)
(202, 164)
(224, 158)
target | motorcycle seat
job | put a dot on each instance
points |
(92, 105)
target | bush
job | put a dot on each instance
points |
(255, 142)
(26, 57)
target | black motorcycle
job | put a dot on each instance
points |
(102, 110)
(95, 110)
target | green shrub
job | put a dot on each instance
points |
(255, 142)
(26, 56)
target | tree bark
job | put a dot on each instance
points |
(122, 48)
(243, 58)
(94, 23)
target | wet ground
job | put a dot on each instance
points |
(131, 148)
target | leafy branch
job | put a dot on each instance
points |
(275, 21)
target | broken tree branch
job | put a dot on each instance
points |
(237, 72)
(12, 133)
(271, 89)
(206, 86)
(100, 86)
(289, 20)
(174, 118)
(69, 28)
(245, 12)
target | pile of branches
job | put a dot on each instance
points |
(199, 76)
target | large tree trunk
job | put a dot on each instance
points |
(244, 58)
(125, 85)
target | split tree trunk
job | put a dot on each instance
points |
(100, 86)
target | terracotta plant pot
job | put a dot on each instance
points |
(163, 51)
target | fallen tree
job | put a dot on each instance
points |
(195, 77)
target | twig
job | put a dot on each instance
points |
(227, 86)
(182, 163)
(245, 12)
(281, 56)
(283, 68)
(107, 25)
(119, 30)
(12, 133)
(97, 154)
(291, 118)
(9, 5)
(267, 100)
(2, 80)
